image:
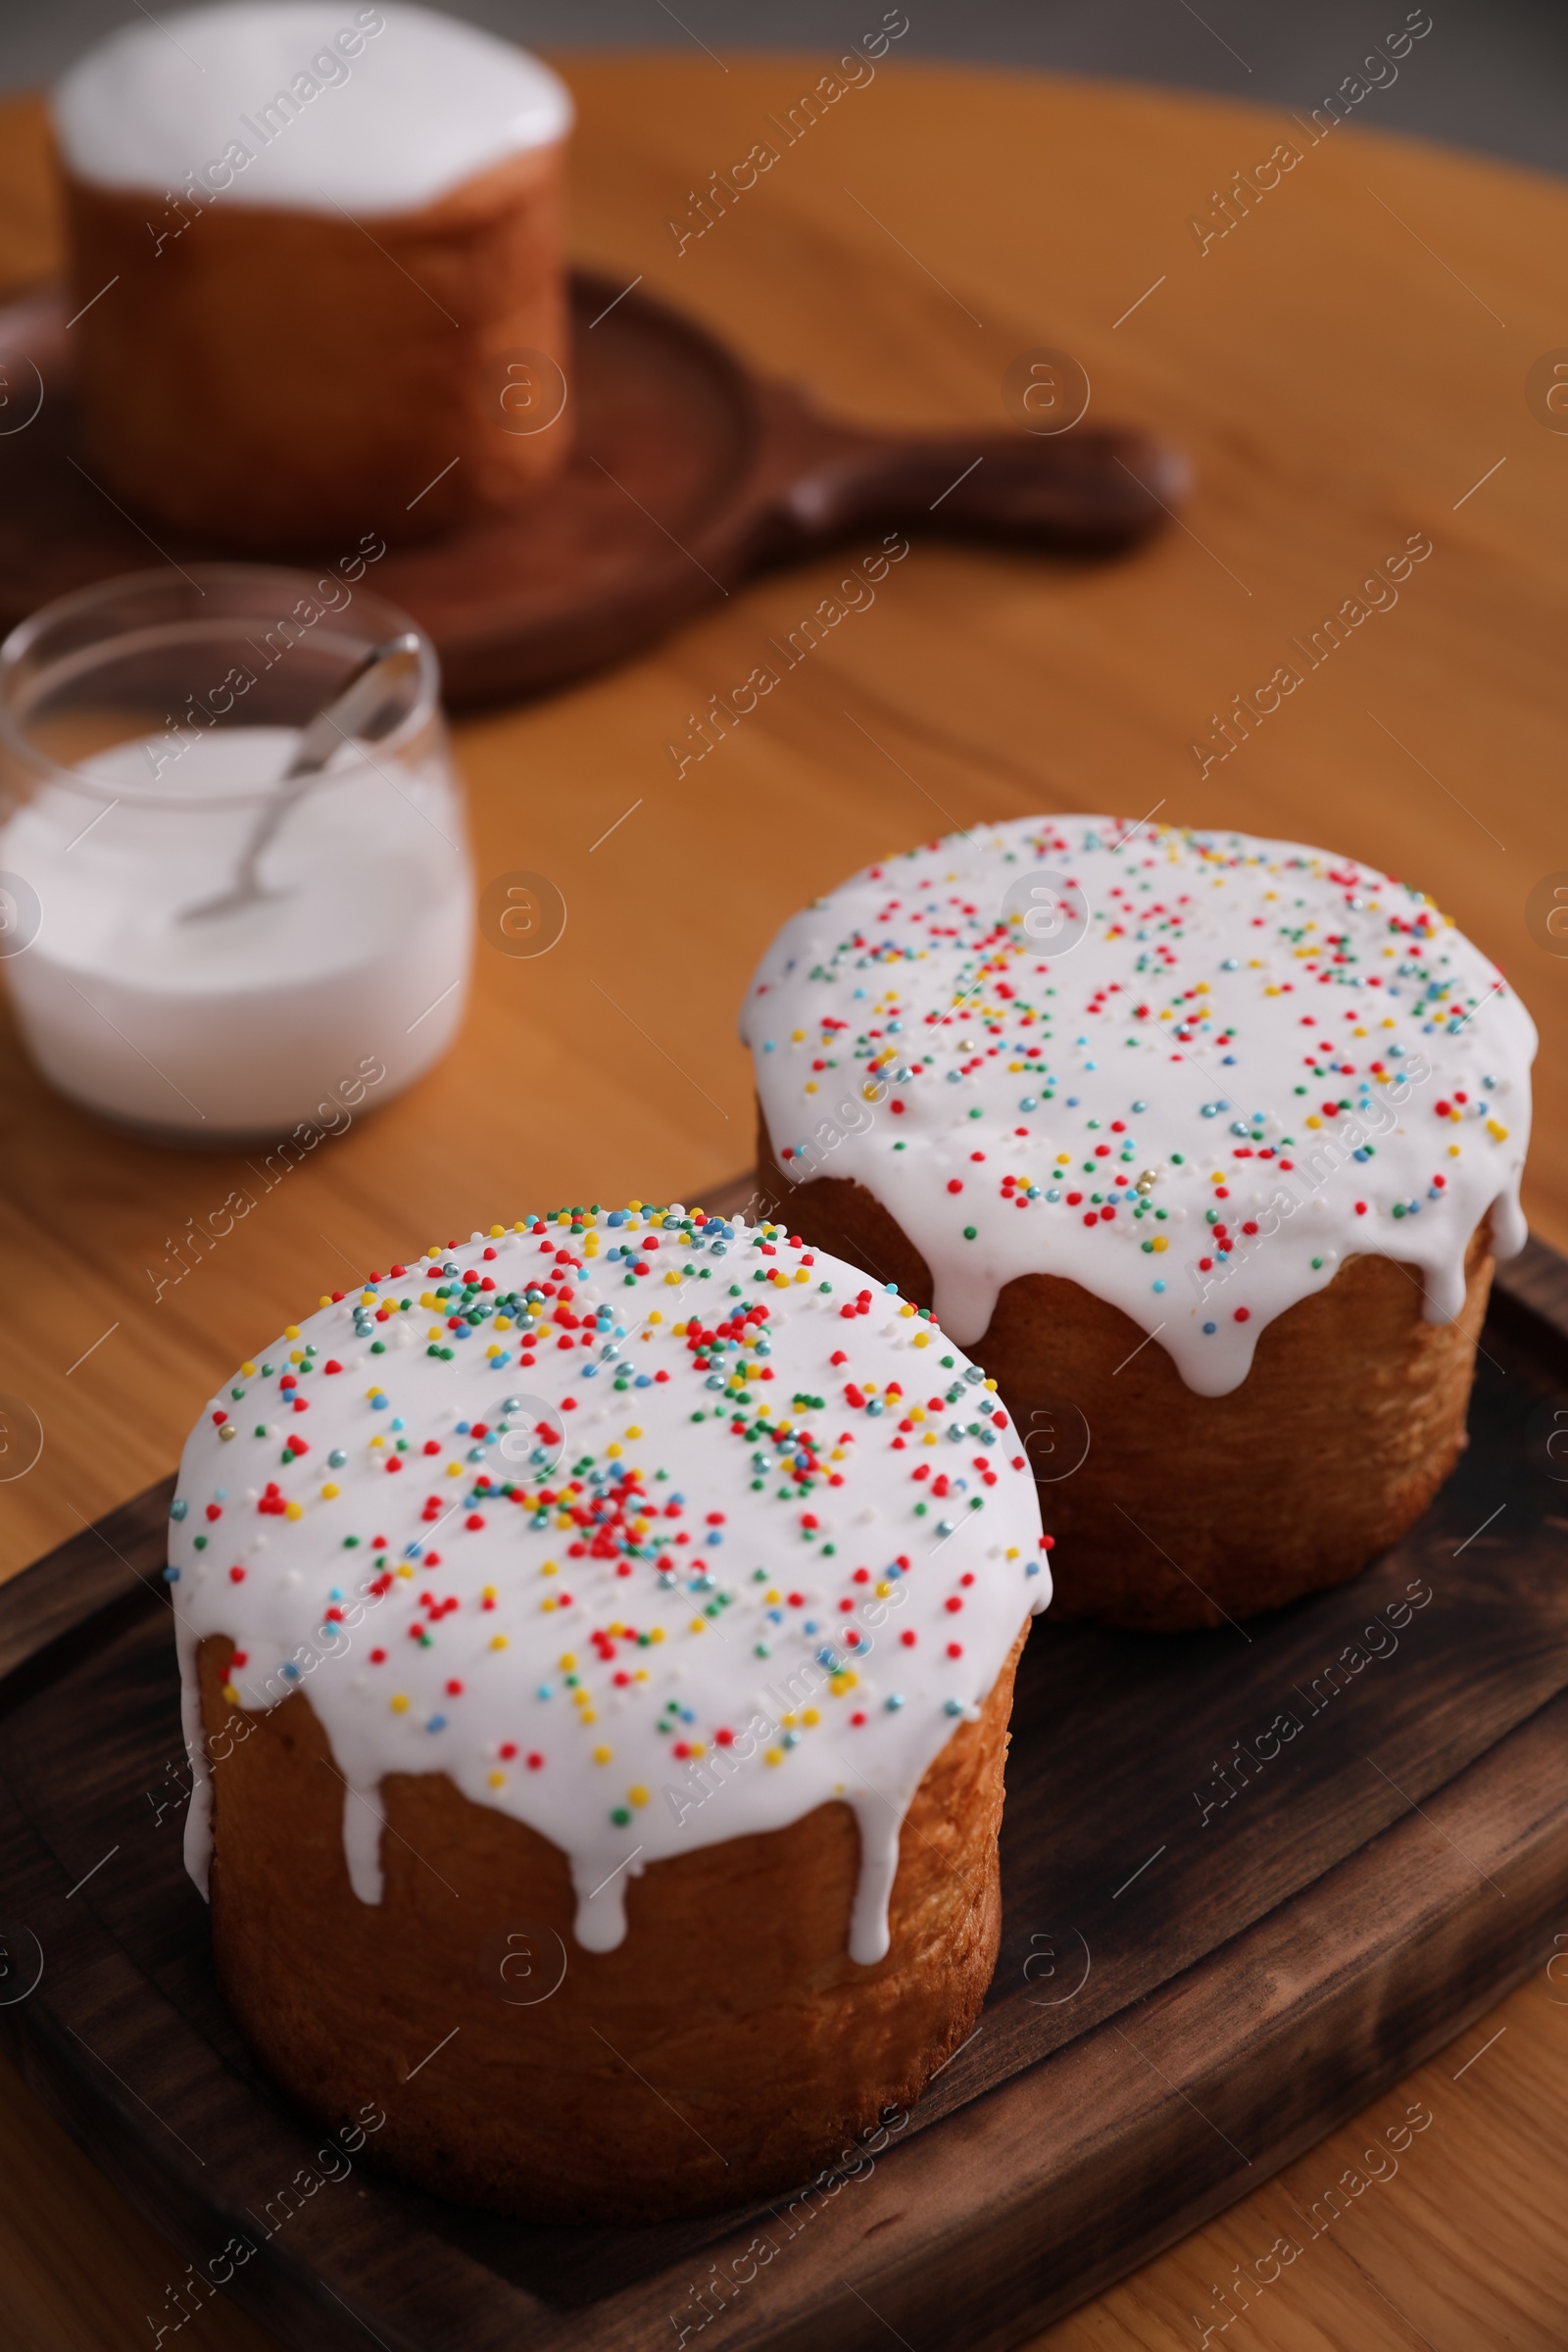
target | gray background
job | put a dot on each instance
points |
(1491, 75)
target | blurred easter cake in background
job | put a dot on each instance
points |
(315, 269)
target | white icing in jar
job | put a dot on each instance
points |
(650, 1530)
(1192, 1072)
(305, 106)
(338, 986)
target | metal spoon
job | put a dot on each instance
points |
(351, 712)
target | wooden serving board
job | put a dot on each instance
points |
(1219, 1941)
(688, 474)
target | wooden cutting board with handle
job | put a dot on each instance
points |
(688, 475)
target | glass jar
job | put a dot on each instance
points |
(144, 726)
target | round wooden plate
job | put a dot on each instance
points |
(688, 474)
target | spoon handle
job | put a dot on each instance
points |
(350, 713)
(352, 709)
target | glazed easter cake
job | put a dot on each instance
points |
(597, 1643)
(1203, 1144)
(316, 262)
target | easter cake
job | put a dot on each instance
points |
(1203, 1144)
(596, 1643)
(316, 268)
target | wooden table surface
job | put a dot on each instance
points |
(1346, 365)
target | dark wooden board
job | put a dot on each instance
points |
(1181, 2003)
(687, 475)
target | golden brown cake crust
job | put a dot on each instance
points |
(726, 2049)
(1188, 1509)
(268, 378)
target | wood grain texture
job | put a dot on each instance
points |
(1337, 386)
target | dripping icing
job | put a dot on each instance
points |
(1148, 1111)
(364, 1820)
(741, 1705)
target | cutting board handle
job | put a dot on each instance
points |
(1094, 490)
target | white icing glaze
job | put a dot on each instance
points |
(1249, 1043)
(783, 1586)
(307, 105)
